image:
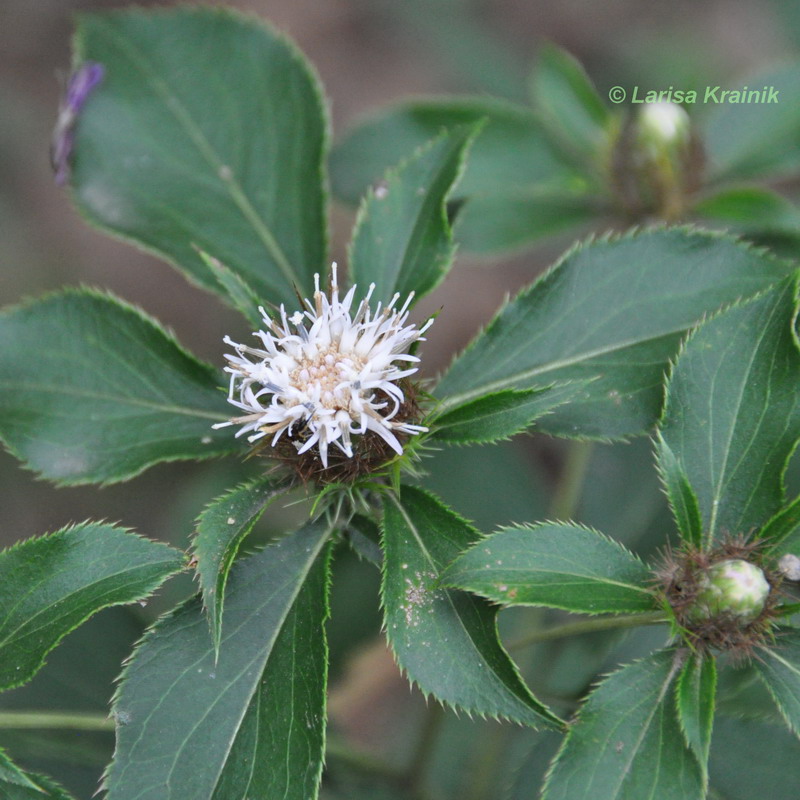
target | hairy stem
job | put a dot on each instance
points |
(55, 720)
(588, 626)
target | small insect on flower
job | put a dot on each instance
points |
(79, 86)
(326, 377)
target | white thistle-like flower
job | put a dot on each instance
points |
(326, 371)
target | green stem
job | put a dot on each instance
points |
(589, 626)
(423, 752)
(74, 720)
(570, 484)
(363, 762)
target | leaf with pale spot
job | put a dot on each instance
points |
(219, 146)
(559, 565)
(100, 391)
(445, 640)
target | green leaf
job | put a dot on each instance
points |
(627, 743)
(221, 528)
(510, 220)
(92, 390)
(209, 129)
(782, 532)
(500, 415)
(51, 584)
(741, 693)
(614, 310)
(568, 101)
(402, 241)
(681, 496)
(778, 665)
(752, 139)
(364, 536)
(250, 723)
(511, 151)
(446, 641)
(750, 208)
(239, 293)
(695, 694)
(12, 775)
(554, 564)
(17, 785)
(731, 411)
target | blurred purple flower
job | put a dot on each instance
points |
(79, 87)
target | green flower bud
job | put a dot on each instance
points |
(733, 587)
(656, 162)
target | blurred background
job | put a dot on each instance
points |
(368, 53)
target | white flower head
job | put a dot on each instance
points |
(325, 374)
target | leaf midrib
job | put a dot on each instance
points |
(424, 550)
(512, 381)
(117, 400)
(302, 575)
(173, 104)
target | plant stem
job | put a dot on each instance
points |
(423, 752)
(74, 720)
(568, 491)
(363, 762)
(588, 626)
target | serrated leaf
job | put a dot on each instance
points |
(782, 531)
(695, 693)
(509, 220)
(554, 564)
(12, 775)
(613, 310)
(626, 743)
(681, 496)
(364, 536)
(511, 151)
(778, 665)
(500, 415)
(51, 584)
(17, 785)
(750, 139)
(240, 295)
(742, 693)
(221, 528)
(564, 94)
(250, 723)
(731, 411)
(208, 129)
(446, 641)
(402, 241)
(94, 391)
(750, 208)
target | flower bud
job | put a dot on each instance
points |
(663, 129)
(734, 588)
(656, 162)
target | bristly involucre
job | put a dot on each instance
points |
(325, 375)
